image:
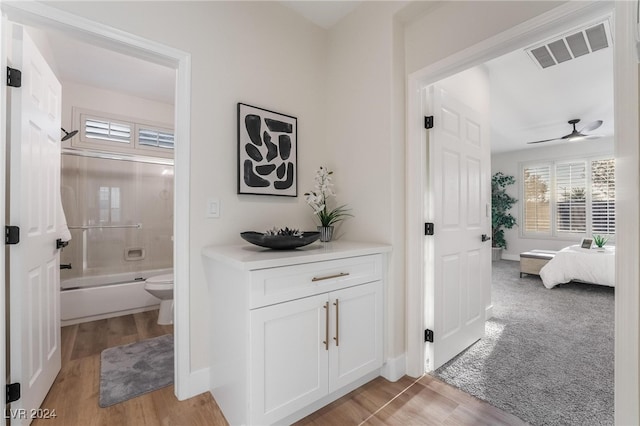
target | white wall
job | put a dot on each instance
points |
(365, 109)
(452, 26)
(471, 86)
(509, 163)
(370, 53)
(260, 53)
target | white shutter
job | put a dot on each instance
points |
(571, 197)
(130, 136)
(603, 196)
(537, 197)
(155, 138)
(107, 130)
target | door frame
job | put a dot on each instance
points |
(3, 183)
(43, 16)
(627, 295)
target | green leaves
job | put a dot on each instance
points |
(600, 240)
(501, 203)
(328, 218)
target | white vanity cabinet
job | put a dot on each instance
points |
(292, 331)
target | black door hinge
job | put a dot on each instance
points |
(13, 392)
(14, 77)
(428, 335)
(428, 228)
(11, 235)
(428, 122)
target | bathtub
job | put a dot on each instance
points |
(97, 297)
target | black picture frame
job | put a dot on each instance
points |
(267, 152)
(586, 243)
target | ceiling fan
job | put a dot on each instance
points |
(576, 135)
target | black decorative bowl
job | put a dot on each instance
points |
(279, 242)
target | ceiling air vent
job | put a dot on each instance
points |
(572, 45)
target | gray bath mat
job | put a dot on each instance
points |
(135, 369)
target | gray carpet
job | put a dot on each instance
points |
(548, 354)
(135, 369)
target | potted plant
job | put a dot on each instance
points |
(501, 219)
(600, 241)
(318, 200)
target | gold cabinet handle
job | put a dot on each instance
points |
(337, 338)
(326, 326)
(328, 277)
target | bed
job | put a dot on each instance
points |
(573, 263)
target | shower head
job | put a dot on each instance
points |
(68, 135)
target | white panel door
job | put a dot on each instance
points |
(289, 357)
(459, 182)
(34, 191)
(356, 331)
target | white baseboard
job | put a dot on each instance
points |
(64, 323)
(510, 256)
(488, 312)
(198, 383)
(394, 368)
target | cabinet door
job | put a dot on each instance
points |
(289, 360)
(356, 333)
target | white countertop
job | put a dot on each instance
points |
(249, 257)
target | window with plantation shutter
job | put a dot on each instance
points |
(537, 199)
(107, 130)
(155, 138)
(603, 196)
(124, 135)
(571, 197)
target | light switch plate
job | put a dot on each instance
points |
(213, 208)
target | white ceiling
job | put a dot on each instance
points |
(323, 13)
(78, 62)
(527, 103)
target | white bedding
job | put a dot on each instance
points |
(577, 264)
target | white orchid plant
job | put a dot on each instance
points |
(318, 198)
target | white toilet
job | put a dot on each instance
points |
(161, 286)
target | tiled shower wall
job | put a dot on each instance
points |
(102, 193)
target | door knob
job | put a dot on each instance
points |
(485, 237)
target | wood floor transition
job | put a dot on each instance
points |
(75, 392)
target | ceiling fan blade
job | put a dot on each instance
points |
(581, 137)
(575, 134)
(591, 126)
(545, 140)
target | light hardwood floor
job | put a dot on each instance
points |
(75, 392)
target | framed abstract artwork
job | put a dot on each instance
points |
(267, 152)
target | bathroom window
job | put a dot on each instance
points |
(107, 130)
(155, 138)
(125, 135)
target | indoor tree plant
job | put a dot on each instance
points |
(318, 200)
(501, 219)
